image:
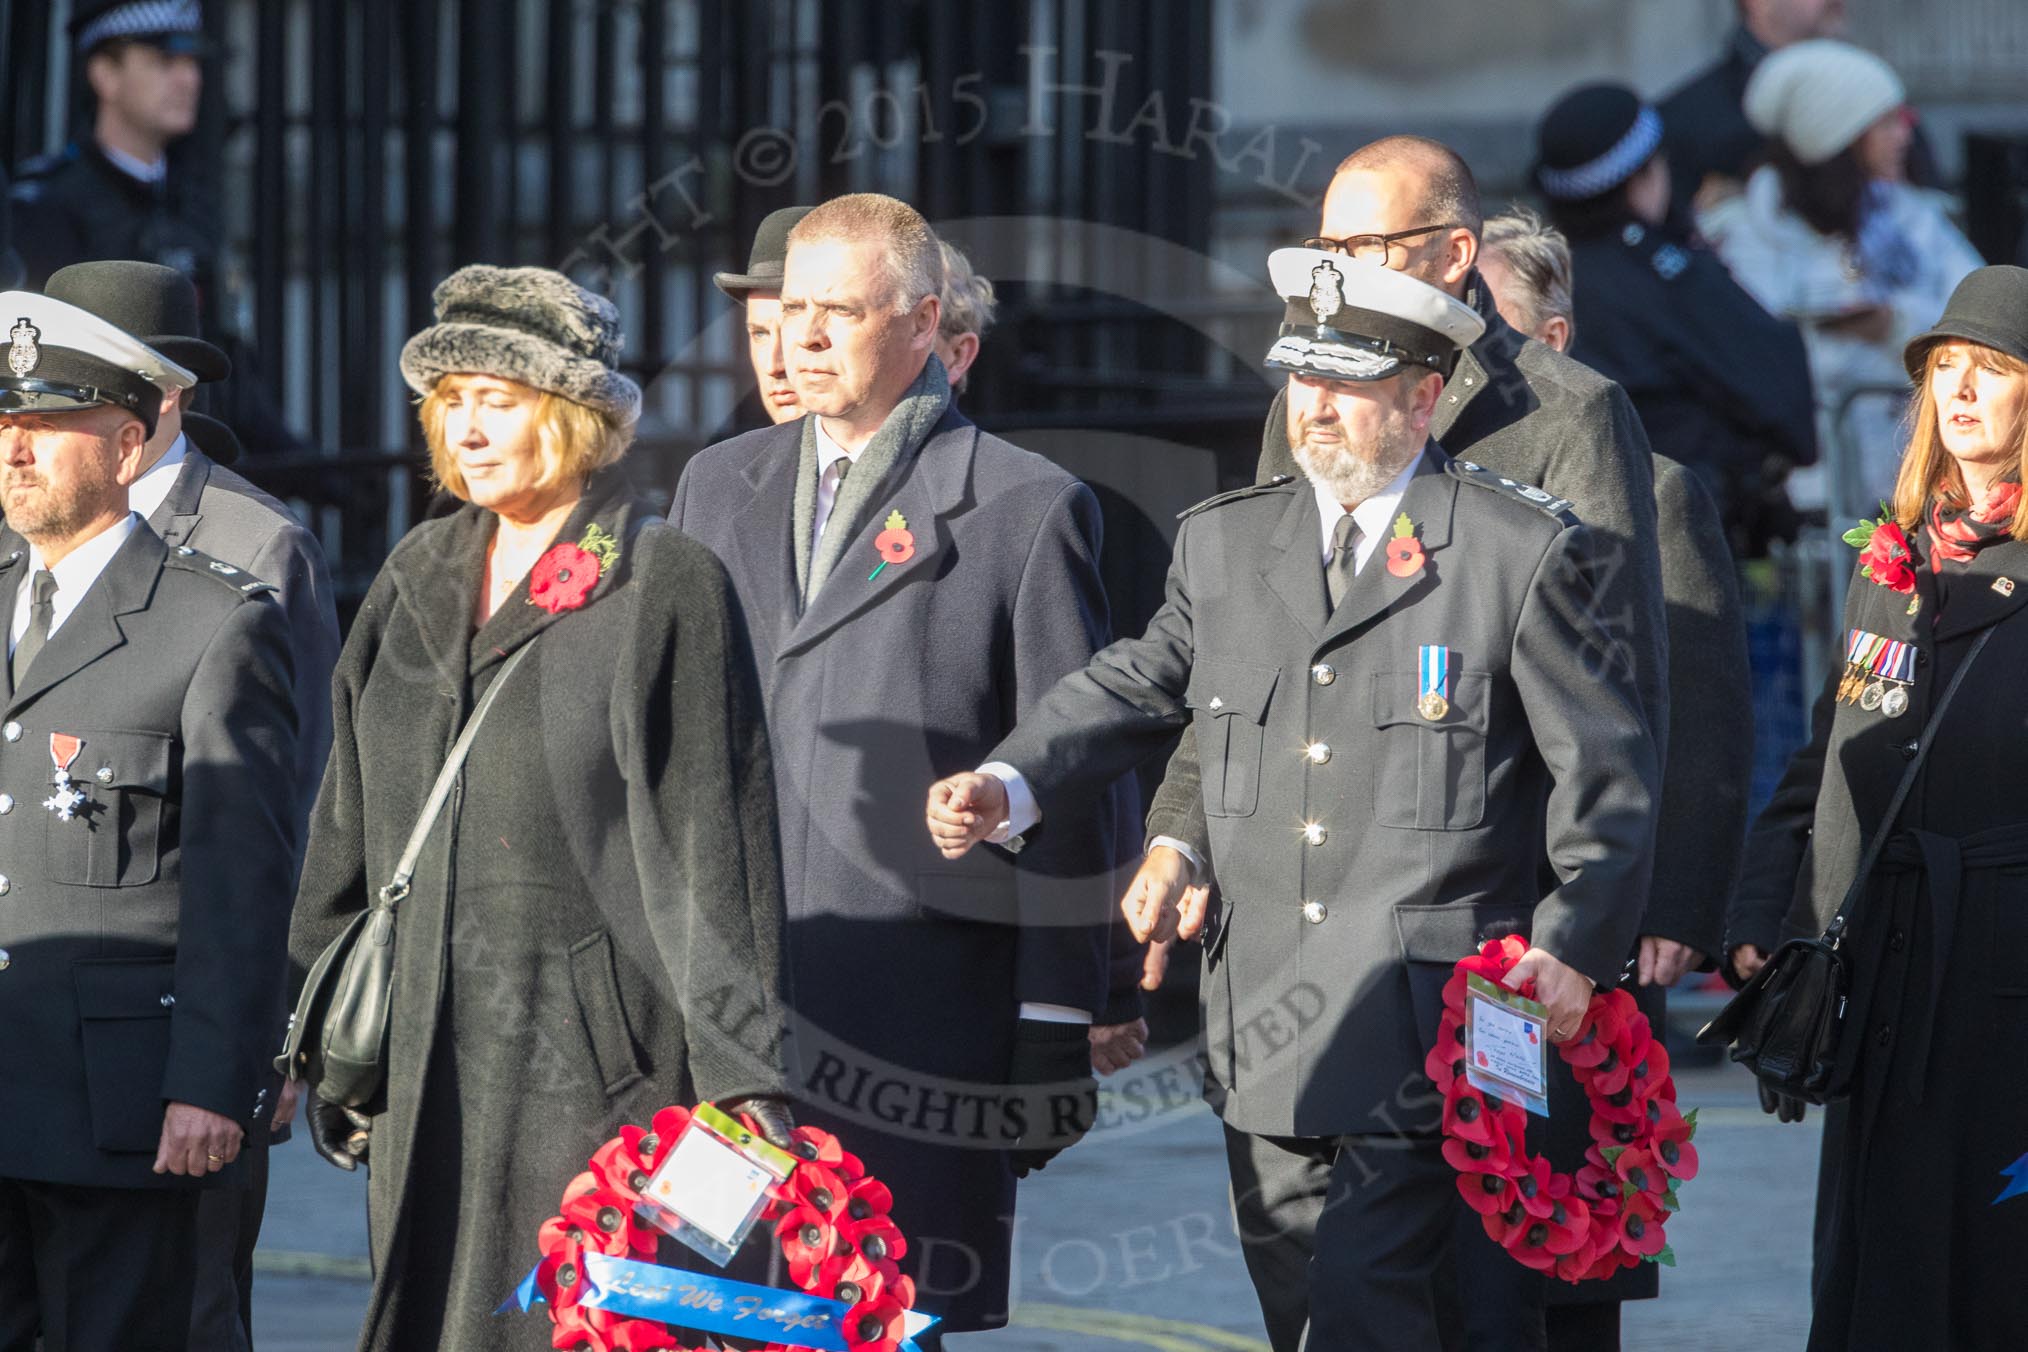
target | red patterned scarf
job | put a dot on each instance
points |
(1958, 533)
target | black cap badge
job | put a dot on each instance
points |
(24, 354)
(1327, 291)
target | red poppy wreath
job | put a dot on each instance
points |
(1611, 1213)
(831, 1220)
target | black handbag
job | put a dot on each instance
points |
(1785, 1023)
(337, 1038)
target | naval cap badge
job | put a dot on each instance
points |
(1327, 291)
(24, 353)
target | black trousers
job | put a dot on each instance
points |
(96, 1269)
(228, 1227)
(1362, 1242)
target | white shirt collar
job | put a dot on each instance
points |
(134, 168)
(828, 450)
(1374, 517)
(151, 490)
(74, 575)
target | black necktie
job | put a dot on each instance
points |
(1338, 572)
(40, 615)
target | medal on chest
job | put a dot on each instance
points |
(68, 796)
(1879, 673)
(1433, 702)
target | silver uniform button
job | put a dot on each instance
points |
(1315, 834)
(12, 732)
(168, 1001)
(1314, 912)
(1323, 673)
(1319, 753)
(6, 886)
(185, 550)
(6, 803)
(5, 960)
(105, 774)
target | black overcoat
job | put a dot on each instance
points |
(1917, 1248)
(594, 928)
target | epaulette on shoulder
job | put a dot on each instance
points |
(1540, 499)
(225, 574)
(1279, 482)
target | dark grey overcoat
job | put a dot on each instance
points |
(594, 928)
(1362, 847)
(1917, 1247)
(908, 970)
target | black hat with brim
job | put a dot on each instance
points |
(769, 253)
(156, 304)
(1989, 307)
(212, 437)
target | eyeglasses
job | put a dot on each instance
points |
(1372, 248)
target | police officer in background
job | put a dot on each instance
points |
(1721, 385)
(146, 754)
(1406, 700)
(114, 193)
(188, 497)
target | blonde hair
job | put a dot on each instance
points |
(1927, 469)
(914, 260)
(572, 439)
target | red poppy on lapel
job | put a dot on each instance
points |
(563, 579)
(1404, 551)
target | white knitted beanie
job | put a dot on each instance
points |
(1819, 95)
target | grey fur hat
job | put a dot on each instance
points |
(530, 325)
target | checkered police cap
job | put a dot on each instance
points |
(175, 24)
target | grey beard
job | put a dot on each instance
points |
(1353, 473)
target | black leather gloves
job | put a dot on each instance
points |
(340, 1135)
(1784, 1107)
(771, 1115)
(1058, 1092)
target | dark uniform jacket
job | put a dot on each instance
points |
(77, 206)
(220, 513)
(1937, 1020)
(881, 687)
(144, 937)
(1361, 846)
(1720, 384)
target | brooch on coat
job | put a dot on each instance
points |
(896, 544)
(563, 578)
(69, 797)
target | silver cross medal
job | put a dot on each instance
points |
(68, 796)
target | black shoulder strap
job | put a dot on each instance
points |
(1835, 931)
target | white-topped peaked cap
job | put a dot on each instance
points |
(1351, 319)
(58, 357)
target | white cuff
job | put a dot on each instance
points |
(1197, 869)
(1054, 1013)
(1022, 814)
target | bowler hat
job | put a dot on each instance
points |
(155, 304)
(212, 437)
(1990, 308)
(770, 252)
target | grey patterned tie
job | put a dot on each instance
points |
(40, 615)
(1338, 572)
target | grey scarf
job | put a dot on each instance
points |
(894, 445)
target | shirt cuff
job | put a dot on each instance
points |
(1022, 814)
(1054, 1013)
(1196, 863)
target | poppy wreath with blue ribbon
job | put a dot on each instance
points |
(830, 1217)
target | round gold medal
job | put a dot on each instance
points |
(1433, 706)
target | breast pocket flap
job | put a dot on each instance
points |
(1221, 687)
